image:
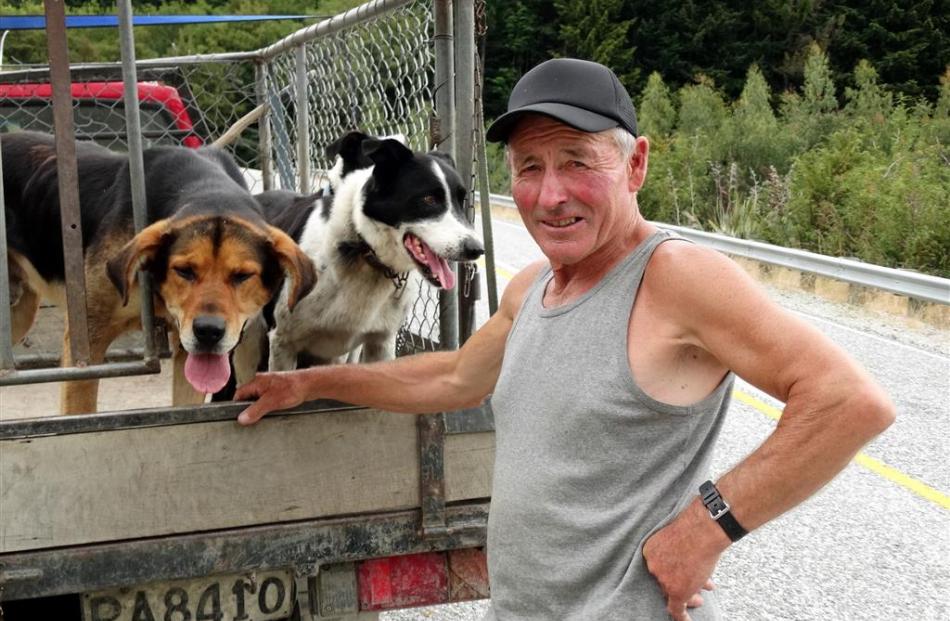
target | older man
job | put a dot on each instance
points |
(610, 367)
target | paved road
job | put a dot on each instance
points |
(875, 543)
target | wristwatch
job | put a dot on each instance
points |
(720, 511)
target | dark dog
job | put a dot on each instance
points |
(214, 260)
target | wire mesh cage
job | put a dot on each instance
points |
(375, 73)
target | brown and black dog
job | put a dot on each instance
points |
(214, 260)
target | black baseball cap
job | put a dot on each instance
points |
(583, 94)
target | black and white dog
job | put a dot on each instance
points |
(388, 215)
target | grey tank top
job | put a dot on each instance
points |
(587, 465)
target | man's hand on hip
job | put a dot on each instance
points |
(682, 555)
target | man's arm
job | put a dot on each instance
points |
(833, 407)
(419, 384)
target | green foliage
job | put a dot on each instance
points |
(593, 30)
(868, 101)
(701, 109)
(655, 114)
(819, 88)
(102, 44)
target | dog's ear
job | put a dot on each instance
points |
(387, 155)
(445, 157)
(122, 267)
(297, 265)
(348, 146)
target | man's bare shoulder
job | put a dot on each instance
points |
(517, 289)
(692, 280)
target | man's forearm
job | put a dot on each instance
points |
(417, 384)
(808, 449)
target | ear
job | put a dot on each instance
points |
(347, 146)
(122, 267)
(386, 152)
(445, 157)
(638, 164)
(296, 264)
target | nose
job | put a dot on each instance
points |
(472, 249)
(208, 329)
(552, 191)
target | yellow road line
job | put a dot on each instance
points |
(874, 465)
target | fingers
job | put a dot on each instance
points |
(255, 389)
(695, 601)
(710, 585)
(250, 390)
(252, 414)
(677, 611)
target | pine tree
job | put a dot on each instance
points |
(656, 116)
(754, 106)
(819, 88)
(594, 30)
(868, 100)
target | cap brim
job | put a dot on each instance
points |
(578, 118)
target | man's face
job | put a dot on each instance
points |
(574, 190)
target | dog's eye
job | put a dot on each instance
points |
(186, 272)
(430, 200)
(239, 277)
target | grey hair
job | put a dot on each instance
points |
(625, 142)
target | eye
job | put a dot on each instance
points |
(239, 277)
(430, 200)
(528, 168)
(577, 164)
(186, 273)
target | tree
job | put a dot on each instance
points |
(594, 30)
(656, 116)
(520, 35)
(819, 88)
(868, 100)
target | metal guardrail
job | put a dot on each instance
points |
(904, 282)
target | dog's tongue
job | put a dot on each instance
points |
(207, 372)
(440, 268)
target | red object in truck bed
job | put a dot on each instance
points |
(163, 95)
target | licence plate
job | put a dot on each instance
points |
(252, 596)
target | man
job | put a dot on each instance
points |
(610, 367)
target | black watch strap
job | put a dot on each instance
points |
(719, 510)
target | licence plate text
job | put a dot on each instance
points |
(256, 596)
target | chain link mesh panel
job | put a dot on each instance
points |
(377, 77)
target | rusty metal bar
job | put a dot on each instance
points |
(124, 420)
(89, 371)
(133, 130)
(432, 474)
(6, 322)
(303, 121)
(68, 177)
(444, 140)
(301, 545)
(264, 143)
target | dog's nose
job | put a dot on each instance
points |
(208, 329)
(472, 249)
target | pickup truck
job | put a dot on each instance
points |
(152, 512)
